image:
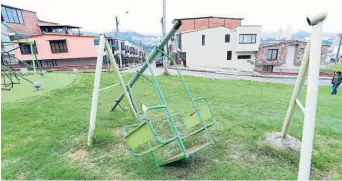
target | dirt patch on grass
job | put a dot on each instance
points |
(287, 143)
(79, 155)
(330, 176)
(21, 176)
(8, 147)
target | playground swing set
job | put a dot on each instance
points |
(9, 76)
(144, 133)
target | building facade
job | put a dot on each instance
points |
(285, 56)
(22, 21)
(228, 45)
(189, 24)
(60, 47)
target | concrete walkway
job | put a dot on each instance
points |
(238, 73)
(324, 81)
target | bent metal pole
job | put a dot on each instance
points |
(150, 58)
(296, 90)
(311, 96)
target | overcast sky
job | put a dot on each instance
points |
(144, 15)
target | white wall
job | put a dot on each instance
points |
(288, 66)
(214, 53)
(248, 30)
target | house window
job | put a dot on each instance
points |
(122, 45)
(11, 15)
(179, 40)
(229, 55)
(227, 38)
(247, 39)
(26, 49)
(51, 63)
(244, 57)
(58, 46)
(272, 54)
(203, 40)
(267, 68)
(183, 55)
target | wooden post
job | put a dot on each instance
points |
(96, 89)
(118, 75)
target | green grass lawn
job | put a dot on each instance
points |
(46, 137)
(48, 83)
(330, 69)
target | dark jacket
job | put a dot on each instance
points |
(337, 80)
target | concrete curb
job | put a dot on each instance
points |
(248, 75)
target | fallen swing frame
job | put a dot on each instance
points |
(7, 72)
(143, 132)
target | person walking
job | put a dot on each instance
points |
(336, 81)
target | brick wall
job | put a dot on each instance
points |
(201, 23)
(194, 24)
(30, 26)
(300, 50)
(187, 25)
(66, 64)
(261, 56)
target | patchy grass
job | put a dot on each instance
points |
(46, 138)
(48, 82)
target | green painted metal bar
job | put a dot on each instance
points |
(151, 126)
(210, 108)
(150, 58)
(36, 58)
(23, 62)
(167, 112)
(155, 88)
(14, 31)
(8, 69)
(188, 93)
(31, 43)
(33, 59)
(135, 106)
(144, 76)
(18, 42)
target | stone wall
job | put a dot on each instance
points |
(261, 57)
(300, 50)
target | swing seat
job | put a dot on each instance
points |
(192, 120)
(189, 152)
(144, 132)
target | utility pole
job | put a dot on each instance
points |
(338, 52)
(164, 31)
(119, 42)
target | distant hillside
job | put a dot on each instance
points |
(89, 33)
(148, 41)
(296, 35)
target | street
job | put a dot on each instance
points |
(159, 71)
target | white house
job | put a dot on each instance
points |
(220, 47)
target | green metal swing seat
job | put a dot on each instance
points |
(144, 132)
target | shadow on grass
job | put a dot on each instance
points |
(180, 168)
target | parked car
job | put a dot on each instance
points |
(159, 61)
